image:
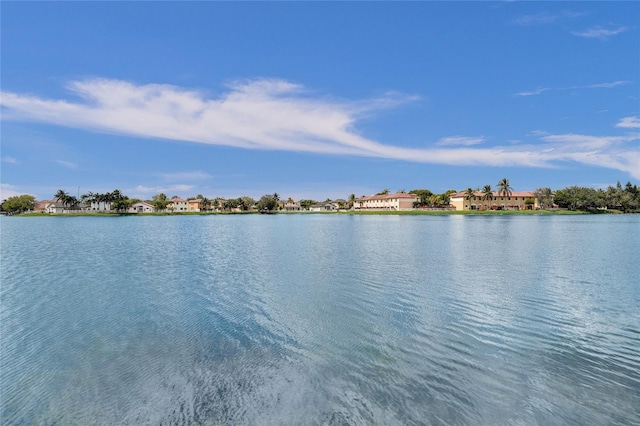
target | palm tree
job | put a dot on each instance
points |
(352, 200)
(118, 199)
(469, 194)
(61, 195)
(205, 204)
(88, 197)
(65, 198)
(217, 203)
(487, 193)
(504, 190)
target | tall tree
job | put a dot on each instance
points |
(246, 203)
(469, 194)
(352, 200)
(18, 204)
(424, 195)
(61, 196)
(160, 201)
(504, 189)
(205, 204)
(544, 197)
(487, 194)
(89, 197)
(267, 203)
(66, 199)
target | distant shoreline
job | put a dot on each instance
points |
(342, 213)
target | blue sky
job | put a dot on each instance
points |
(317, 100)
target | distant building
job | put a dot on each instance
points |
(100, 206)
(141, 207)
(194, 205)
(522, 200)
(292, 206)
(327, 206)
(177, 204)
(55, 207)
(398, 201)
(41, 206)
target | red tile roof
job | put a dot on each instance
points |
(388, 196)
(495, 194)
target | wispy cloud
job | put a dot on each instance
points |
(67, 164)
(540, 90)
(10, 160)
(193, 175)
(544, 18)
(599, 32)
(279, 115)
(632, 122)
(8, 190)
(534, 92)
(169, 190)
(608, 85)
(614, 152)
(460, 140)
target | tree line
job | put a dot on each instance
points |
(626, 199)
(623, 198)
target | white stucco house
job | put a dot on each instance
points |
(141, 207)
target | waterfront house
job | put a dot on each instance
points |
(194, 205)
(327, 206)
(55, 207)
(141, 207)
(397, 201)
(292, 206)
(177, 204)
(340, 203)
(100, 206)
(41, 206)
(521, 200)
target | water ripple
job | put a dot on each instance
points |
(316, 319)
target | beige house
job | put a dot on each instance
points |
(398, 201)
(194, 205)
(522, 200)
(292, 206)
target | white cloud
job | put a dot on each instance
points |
(10, 160)
(170, 190)
(534, 92)
(278, 115)
(599, 32)
(540, 90)
(614, 152)
(632, 122)
(603, 85)
(67, 164)
(460, 140)
(8, 190)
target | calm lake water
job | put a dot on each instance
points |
(320, 319)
